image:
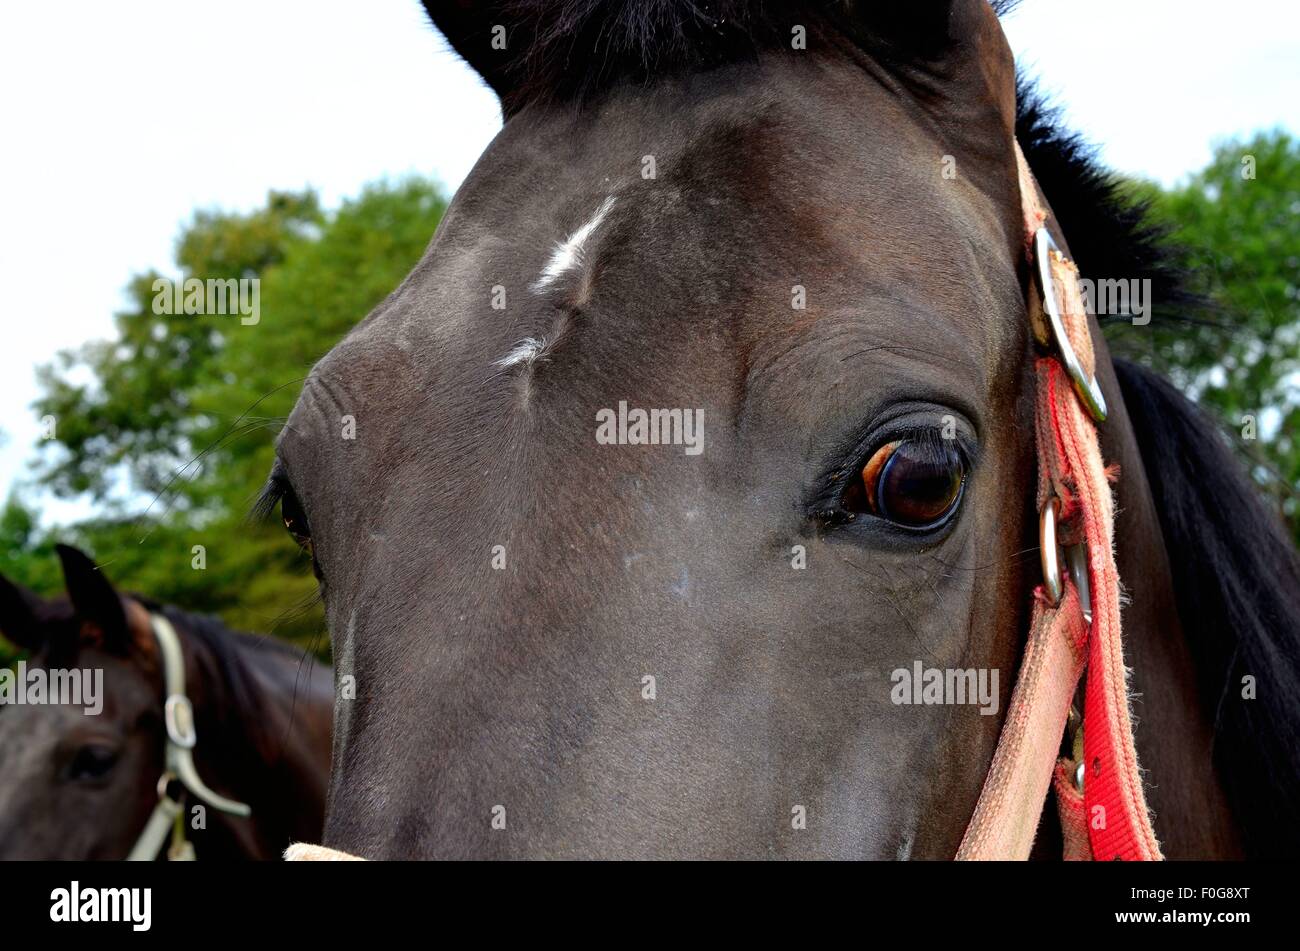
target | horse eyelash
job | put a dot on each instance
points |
(276, 488)
(275, 491)
(933, 445)
(929, 440)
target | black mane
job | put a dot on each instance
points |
(228, 677)
(561, 49)
(1110, 233)
(1237, 583)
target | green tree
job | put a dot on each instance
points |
(183, 410)
(1237, 220)
(123, 407)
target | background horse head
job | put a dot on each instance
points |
(794, 241)
(80, 783)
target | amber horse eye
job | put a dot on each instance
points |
(911, 482)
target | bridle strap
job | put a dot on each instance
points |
(1076, 620)
(178, 716)
(161, 822)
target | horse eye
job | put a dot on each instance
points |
(915, 483)
(92, 762)
(295, 520)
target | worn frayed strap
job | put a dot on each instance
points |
(302, 852)
(1076, 846)
(1110, 820)
(1006, 818)
(1113, 783)
(1112, 786)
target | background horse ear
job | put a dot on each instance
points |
(96, 601)
(18, 616)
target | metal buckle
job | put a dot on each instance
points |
(1074, 733)
(165, 780)
(1048, 549)
(178, 715)
(1049, 556)
(1087, 389)
(1077, 556)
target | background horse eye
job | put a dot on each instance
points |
(916, 483)
(91, 762)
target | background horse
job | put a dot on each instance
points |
(802, 222)
(77, 786)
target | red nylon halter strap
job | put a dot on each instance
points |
(1109, 819)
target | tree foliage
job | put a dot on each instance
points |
(169, 428)
(1237, 223)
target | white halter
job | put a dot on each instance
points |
(178, 714)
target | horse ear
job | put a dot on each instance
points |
(917, 29)
(961, 43)
(480, 33)
(94, 598)
(18, 620)
(921, 19)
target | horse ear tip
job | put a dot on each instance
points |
(81, 574)
(72, 557)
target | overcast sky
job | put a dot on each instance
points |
(118, 120)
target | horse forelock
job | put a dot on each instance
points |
(540, 41)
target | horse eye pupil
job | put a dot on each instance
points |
(911, 482)
(918, 486)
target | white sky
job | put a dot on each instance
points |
(118, 120)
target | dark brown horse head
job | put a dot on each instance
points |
(703, 425)
(81, 766)
(64, 762)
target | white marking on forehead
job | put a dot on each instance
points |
(525, 351)
(568, 253)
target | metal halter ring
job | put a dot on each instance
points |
(1050, 556)
(1048, 551)
(1087, 389)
